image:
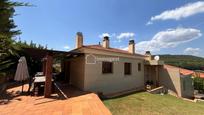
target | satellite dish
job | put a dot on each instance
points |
(156, 58)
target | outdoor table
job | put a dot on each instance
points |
(38, 81)
(39, 74)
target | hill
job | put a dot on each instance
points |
(184, 61)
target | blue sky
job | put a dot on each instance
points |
(161, 26)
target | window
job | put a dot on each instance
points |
(127, 68)
(107, 67)
(139, 67)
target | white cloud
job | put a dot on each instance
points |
(149, 23)
(192, 51)
(66, 47)
(179, 13)
(119, 37)
(124, 48)
(126, 35)
(104, 34)
(167, 39)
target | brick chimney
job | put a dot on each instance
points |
(106, 42)
(131, 47)
(79, 39)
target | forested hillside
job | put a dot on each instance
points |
(184, 61)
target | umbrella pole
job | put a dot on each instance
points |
(22, 86)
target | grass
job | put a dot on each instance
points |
(153, 104)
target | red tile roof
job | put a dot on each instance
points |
(99, 47)
(184, 71)
(202, 75)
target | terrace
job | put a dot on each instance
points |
(12, 102)
(55, 97)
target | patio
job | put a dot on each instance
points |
(78, 102)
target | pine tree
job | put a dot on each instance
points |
(7, 33)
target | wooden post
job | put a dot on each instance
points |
(48, 81)
(44, 66)
(157, 75)
(62, 65)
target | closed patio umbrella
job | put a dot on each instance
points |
(22, 71)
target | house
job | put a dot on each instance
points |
(104, 69)
(107, 70)
(178, 80)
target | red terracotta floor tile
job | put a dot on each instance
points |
(78, 103)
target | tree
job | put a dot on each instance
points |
(7, 33)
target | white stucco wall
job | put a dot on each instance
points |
(170, 78)
(114, 82)
(77, 72)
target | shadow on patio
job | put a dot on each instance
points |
(61, 92)
(13, 102)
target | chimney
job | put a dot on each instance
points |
(131, 47)
(148, 55)
(106, 42)
(79, 39)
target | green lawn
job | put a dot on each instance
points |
(153, 104)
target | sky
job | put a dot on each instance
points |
(160, 26)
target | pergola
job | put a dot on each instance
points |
(47, 60)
